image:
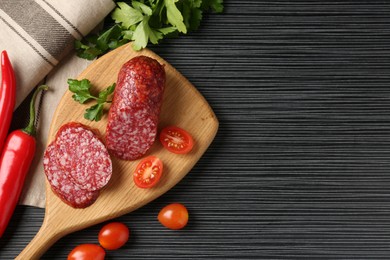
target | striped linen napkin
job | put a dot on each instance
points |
(38, 36)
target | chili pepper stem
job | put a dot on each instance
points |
(30, 129)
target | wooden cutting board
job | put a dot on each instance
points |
(183, 106)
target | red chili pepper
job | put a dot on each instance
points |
(15, 161)
(7, 96)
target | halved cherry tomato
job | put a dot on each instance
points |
(173, 216)
(176, 140)
(87, 252)
(113, 235)
(148, 172)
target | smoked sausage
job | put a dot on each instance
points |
(134, 112)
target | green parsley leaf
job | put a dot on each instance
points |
(95, 112)
(174, 16)
(96, 45)
(128, 34)
(167, 30)
(106, 38)
(146, 21)
(87, 52)
(142, 7)
(80, 90)
(215, 5)
(192, 14)
(140, 36)
(126, 15)
(82, 94)
(105, 93)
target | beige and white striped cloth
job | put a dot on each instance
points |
(38, 36)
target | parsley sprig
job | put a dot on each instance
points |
(146, 21)
(82, 94)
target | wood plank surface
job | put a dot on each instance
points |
(300, 167)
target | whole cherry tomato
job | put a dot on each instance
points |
(113, 235)
(173, 216)
(87, 252)
(176, 140)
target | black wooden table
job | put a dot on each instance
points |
(300, 167)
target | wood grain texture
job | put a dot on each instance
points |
(300, 167)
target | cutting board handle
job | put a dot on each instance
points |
(42, 241)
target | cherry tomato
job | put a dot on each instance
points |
(176, 140)
(87, 252)
(174, 216)
(113, 235)
(148, 172)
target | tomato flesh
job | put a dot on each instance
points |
(173, 216)
(87, 252)
(176, 140)
(113, 235)
(148, 172)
